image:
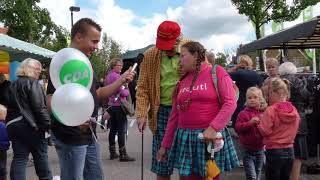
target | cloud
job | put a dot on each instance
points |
(214, 23)
(204, 18)
(123, 25)
(59, 11)
(61, 15)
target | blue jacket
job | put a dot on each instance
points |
(4, 140)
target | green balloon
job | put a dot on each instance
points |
(75, 71)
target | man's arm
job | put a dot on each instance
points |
(142, 95)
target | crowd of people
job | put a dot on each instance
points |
(181, 94)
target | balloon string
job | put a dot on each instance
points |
(101, 113)
(94, 136)
(95, 121)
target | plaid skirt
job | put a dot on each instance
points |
(189, 154)
(160, 168)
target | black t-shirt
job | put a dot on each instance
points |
(74, 135)
(4, 90)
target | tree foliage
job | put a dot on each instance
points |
(261, 12)
(28, 22)
(221, 59)
(101, 59)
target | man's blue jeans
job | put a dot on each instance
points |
(253, 162)
(81, 162)
(21, 151)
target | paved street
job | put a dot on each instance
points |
(115, 170)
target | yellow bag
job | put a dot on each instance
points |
(212, 169)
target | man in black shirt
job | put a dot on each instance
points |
(4, 88)
(77, 149)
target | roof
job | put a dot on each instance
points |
(134, 53)
(305, 35)
(20, 50)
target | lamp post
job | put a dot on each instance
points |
(75, 9)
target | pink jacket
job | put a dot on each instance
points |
(110, 78)
(279, 125)
(250, 137)
(204, 110)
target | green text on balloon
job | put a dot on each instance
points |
(75, 71)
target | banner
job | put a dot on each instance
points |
(4, 62)
(307, 14)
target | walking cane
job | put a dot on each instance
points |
(142, 155)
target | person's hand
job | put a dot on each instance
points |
(161, 155)
(209, 134)
(254, 120)
(85, 126)
(241, 66)
(141, 121)
(128, 75)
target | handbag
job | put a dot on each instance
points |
(126, 105)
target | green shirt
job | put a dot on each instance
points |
(169, 76)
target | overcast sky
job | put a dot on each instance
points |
(133, 24)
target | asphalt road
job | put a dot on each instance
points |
(115, 170)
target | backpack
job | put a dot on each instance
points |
(215, 84)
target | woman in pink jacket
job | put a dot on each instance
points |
(196, 109)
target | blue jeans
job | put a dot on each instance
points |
(253, 162)
(79, 162)
(21, 151)
(279, 163)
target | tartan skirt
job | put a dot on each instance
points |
(160, 168)
(189, 154)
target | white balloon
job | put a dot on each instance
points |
(70, 65)
(72, 104)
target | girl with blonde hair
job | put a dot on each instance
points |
(278, 126)
(250, 137)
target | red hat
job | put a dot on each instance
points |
(167, 34)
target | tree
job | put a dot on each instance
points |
(261, 12)
(115, 49)
(58, 40)
(101, 59)
(26, 20)
(221, 59)
(98, 65)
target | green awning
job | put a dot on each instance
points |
(20, 50)
(134, 53)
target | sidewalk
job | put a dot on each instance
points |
(115, 170)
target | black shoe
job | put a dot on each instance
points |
(124, 157)
(113, 153)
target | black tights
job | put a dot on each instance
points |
(118, 120)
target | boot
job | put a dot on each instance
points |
(124, 156)
(113, 153)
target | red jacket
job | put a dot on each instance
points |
(250, 137)
(279, 125)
